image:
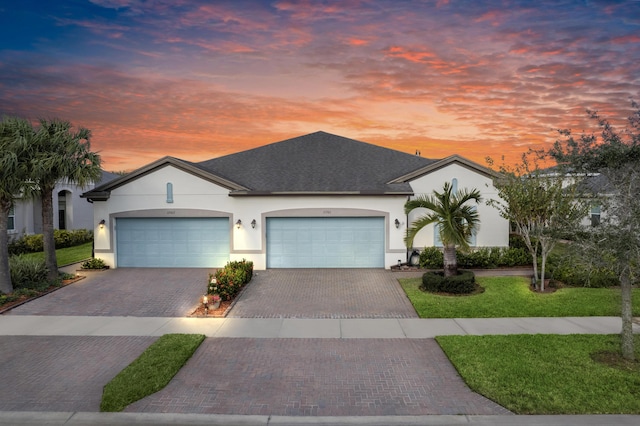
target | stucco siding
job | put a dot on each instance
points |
(493, 231)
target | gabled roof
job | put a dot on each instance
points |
(318, 163)
(315, 164)
(102, 192)
(438, 164)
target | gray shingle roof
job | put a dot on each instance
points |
(317, 163)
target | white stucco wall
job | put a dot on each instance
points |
(193, 196)
(493, 231)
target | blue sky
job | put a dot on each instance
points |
(199, 79)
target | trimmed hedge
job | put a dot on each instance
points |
(230, 279)
(485, 257)
(63, 238)
(435, 282)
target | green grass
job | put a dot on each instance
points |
(151, 371)
(511, 297)
(68, 255)
(547, 374)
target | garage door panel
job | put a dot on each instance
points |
(325, 242)
(172, 242)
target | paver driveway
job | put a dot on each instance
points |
(140, 292)
(274, 293)
(318, 377)
(324, 293)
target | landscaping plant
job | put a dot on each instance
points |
(230, 279)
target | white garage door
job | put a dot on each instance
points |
(172, 242)
(319, 242)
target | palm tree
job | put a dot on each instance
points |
(455, 221)
(15, 137)
(59, 153)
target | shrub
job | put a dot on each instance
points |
(484, 257)
(33, 243)
(435, 282)
(27, 273)
(431, 258)
(94, 263)
(230, 279)
(515, 256)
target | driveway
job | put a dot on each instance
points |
(324, 293)
(140, 292)
(274, 293)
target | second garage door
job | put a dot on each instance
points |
(172, 242)
(319, 242)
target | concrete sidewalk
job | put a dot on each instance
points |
(411, 328)
(90, 419)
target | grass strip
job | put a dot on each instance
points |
(547, 374)
(151, 371)
(67, 255)
(511, 297)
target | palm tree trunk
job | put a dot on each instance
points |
(450, 261)
(5, 274)
(47, 234)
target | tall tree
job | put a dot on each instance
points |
(614, 157)
(15, 137)
(455, 219)
(60, 154)
(540, 204)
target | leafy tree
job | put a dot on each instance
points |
(610, 162)
(60, 153)
(540, 204)
(456, 221)
(15, 137)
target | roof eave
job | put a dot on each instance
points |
(443, 163)
(98, 192)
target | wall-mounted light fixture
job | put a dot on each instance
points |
(102, 222)
(397, 222)
(238, 224)
(253, 224)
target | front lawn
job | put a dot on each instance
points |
(512, 297)
(68, 255)
(547, 374)
(151, 371)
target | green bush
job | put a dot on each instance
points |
(63, 238)
(431, 258)
(230, 279)
(435, 282)
(94, 263)
(481, 258)
(27, 273)
(515, 256)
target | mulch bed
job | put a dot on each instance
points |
(24, 299)
(221, 312)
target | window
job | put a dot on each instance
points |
(595, 215)
(11, 225)
(454, 186)
(169, 192)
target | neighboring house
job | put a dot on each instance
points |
(72, 211)
(315, 201)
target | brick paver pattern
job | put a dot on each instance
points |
(62, 373)
(318, 377)
(326, 293)
(140, 292)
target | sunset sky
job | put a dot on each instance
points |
(201, 79)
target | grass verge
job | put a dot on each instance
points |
(547, 374)
(67, 255)
(151, 371)
(511, 297)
